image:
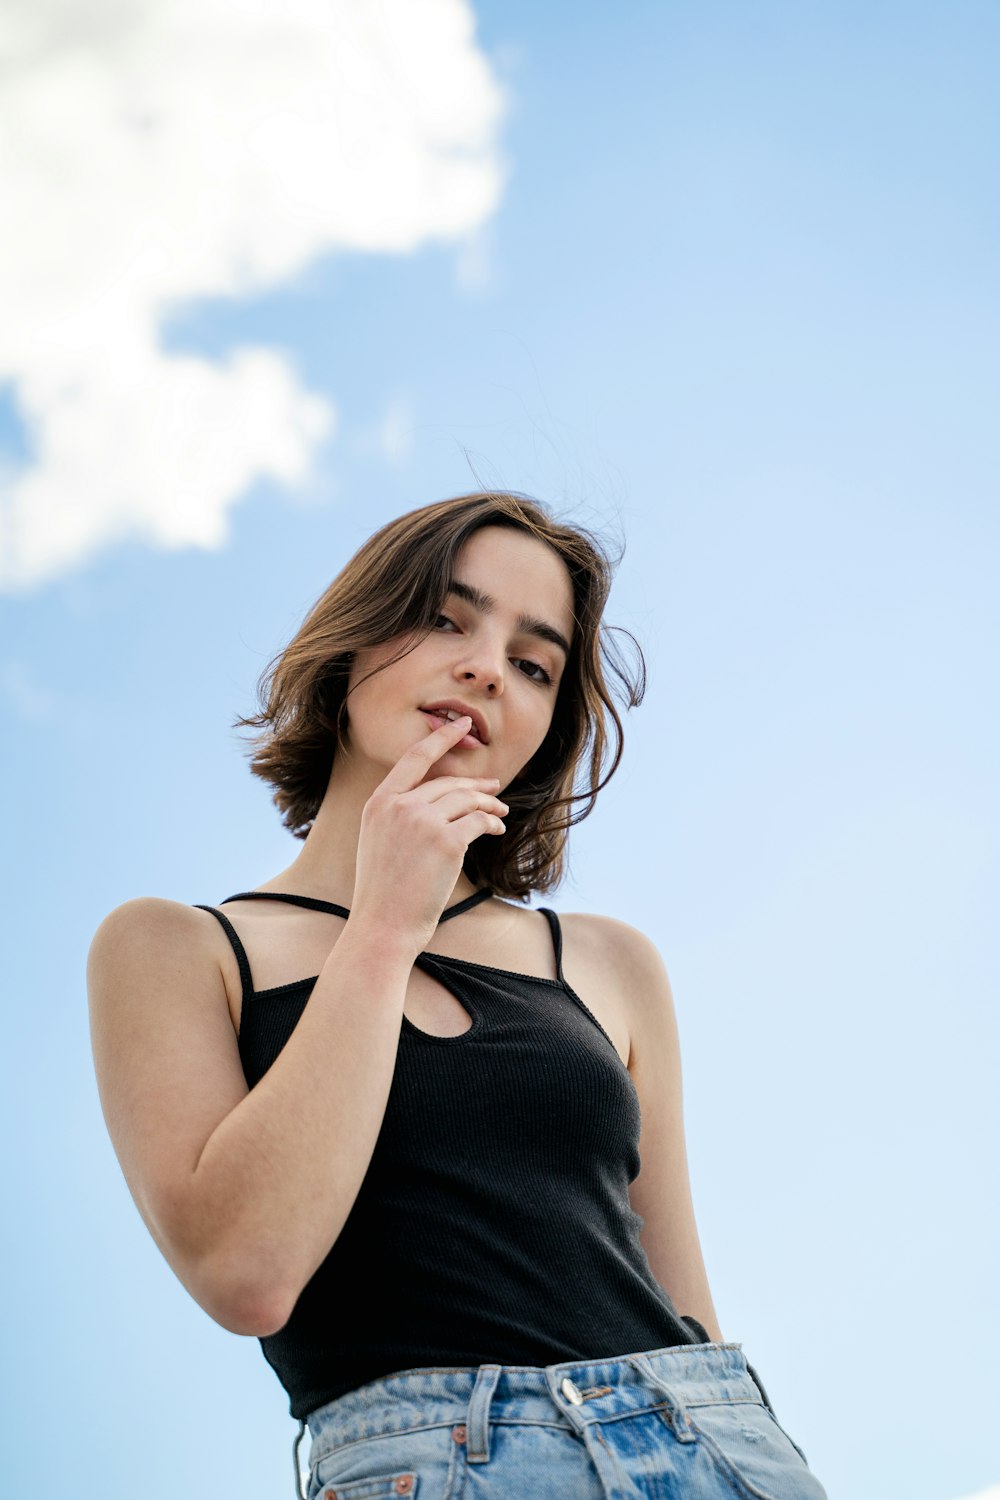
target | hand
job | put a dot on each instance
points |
(414, 835)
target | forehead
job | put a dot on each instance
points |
(520, 571)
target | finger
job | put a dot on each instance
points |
(440, 786)
(476, 823)
(455, 801)
(414, 763)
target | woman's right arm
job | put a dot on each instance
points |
(244, 1191)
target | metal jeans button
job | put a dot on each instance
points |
(571, 1392)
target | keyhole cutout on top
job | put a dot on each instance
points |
(432, 1008)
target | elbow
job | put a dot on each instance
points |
(242, 1298)
(243, 1306)
(242, 1293)
(265, 1313)
(256, 1317)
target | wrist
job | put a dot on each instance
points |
(379, 942)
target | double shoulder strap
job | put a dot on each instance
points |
(246, 978)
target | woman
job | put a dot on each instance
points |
(386, 1117)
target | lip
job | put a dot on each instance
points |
(456, 706)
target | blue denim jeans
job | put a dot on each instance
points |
(691, 1421)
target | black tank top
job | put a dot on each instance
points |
(493, 1224)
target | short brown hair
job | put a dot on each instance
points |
(395, 584)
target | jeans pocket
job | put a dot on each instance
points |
(374, 1487)
(749, 1444)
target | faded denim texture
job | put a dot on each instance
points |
(690, 1422)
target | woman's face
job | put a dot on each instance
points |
(484, 657)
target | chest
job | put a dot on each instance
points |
(294, 945)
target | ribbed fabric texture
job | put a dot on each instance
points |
(493, 1224)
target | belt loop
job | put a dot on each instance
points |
(477, 1423)
(681, 1422)
(300, 1492)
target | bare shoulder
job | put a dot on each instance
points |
(629, 967)
(151, 938)
(142, 911)
(621, 948)
(155, 920)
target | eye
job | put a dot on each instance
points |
(545, 679)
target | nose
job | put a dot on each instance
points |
(485, 667)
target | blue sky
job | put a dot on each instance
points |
(720, 282)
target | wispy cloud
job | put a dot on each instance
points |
(181, 149)
(392, 437)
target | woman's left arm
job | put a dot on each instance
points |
(661, 1194)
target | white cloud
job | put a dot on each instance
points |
(180, 149)
(475, 262)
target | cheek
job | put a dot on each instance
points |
(530, 743)
(378, 690)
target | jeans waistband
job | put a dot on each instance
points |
(565, 1394)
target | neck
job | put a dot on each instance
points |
(326, 865)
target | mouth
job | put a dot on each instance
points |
(438, 717)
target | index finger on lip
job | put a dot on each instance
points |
(423, 753)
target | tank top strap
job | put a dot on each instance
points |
(246, 978)
(467, 904)
(315, 904)
(556, 931)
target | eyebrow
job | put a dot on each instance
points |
(526, 624)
